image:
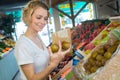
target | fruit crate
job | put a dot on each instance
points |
(96, 60)
(101, 38)
(115, 19)
(102, 49)
(86, 32)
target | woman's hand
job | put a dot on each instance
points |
(55, 58)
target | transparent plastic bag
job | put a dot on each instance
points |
(111, 71)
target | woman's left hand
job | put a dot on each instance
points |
(56, 57)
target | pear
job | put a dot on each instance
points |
(99, 57)
(94, 54)
(54, 48)
(93, 69)
(107, 55)
(65, 45)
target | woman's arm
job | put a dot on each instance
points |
(28, 70)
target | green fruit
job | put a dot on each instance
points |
(54, 48)
(87, 51)
(65, 45)
(87, 67)
(93, 69)
(112, 48)
(101, 51)
(99, 57)
(96, 42)
(108, 55)
(117, 42)
(91, 61)
(94, 54)
(106, 46)
(103, 61)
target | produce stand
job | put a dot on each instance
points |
(100, 73)
(98, 25)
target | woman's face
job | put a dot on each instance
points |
(39, 19)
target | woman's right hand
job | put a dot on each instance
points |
(55, 58)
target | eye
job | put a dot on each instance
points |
(46, 19)
(39, 17)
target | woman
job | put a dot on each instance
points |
(33, 58)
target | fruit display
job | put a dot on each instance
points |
(111, 68)
(1, 36)
(99, 57)
(3, 48)
(89, 46)
(91, 38)
(86, 32)
(103, 36)
(100, 51)
(6, 44)
(9, 42)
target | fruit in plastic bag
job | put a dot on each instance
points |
(93, 69)
(54, 48)
(94, 54)
(65, 45)
(107, 55)
(99, 57)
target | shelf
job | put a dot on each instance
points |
(115, 19)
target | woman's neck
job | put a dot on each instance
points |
(31, 33)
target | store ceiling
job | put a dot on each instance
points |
(6, 4)
(14, 4)
(56, 2)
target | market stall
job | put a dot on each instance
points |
(103, 58)
(87, 39)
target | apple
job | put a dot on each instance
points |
(89, 46)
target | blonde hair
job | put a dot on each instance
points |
(29, 9)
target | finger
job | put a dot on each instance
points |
(59, 43)
(49, 50)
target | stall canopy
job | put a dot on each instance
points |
(20, 3)
(56, 2)
(6, 5)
